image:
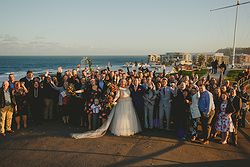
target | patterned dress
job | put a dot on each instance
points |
(224, 122)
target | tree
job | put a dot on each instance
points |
(201, 59)
(194, 59)
(209, 60)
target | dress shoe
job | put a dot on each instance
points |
(193, 138)
(201, 139)
(223, 142)
(2, 134)
(10, 131)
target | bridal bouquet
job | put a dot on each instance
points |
(71, 90)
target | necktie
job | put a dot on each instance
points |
(35, 93)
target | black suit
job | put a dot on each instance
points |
(234, 107)
(27, 83)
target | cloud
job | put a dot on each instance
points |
(39, 38)
(11, 45)
(7, 38)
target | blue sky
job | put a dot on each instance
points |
(118, 27)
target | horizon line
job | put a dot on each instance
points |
(76, 55)
(5, 55)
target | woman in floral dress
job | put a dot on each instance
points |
(224, 122)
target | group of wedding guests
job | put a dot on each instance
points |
(161, 101)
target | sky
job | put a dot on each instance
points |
(119, 27)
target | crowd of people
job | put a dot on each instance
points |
(162, 101)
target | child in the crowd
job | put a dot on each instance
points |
(95, 109)
(94, 93)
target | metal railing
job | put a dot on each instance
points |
(243, 81)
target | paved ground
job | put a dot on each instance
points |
(50, 145)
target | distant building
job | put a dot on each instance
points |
(220, 57)
(154, 59)
(176, 57)
(241, 59)
(209, 57)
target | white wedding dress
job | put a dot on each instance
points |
(122, 120)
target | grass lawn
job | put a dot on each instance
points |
(200, 72)
(232, 75)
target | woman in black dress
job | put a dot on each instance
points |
(20, 93)
(36, 102)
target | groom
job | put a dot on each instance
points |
(137, 92)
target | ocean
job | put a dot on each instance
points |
(40, 64)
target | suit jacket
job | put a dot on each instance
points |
(59, 78)
(234, 106)
(104, 88)
(137, 95)
(149, 97)
(165, 95)
(28, 84)
(2, 98)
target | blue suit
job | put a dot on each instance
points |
(138, 101)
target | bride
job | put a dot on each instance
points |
(122, 120)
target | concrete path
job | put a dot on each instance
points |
(50, 145)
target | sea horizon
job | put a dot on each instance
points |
(19, 65)
(47, 55)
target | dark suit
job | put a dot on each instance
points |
(137, 98)
(59, 79)
(28, 83)
(234, 107)
(102, 85)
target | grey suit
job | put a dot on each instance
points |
(149, 101)
(165, 105)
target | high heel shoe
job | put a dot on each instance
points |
(223, 142)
